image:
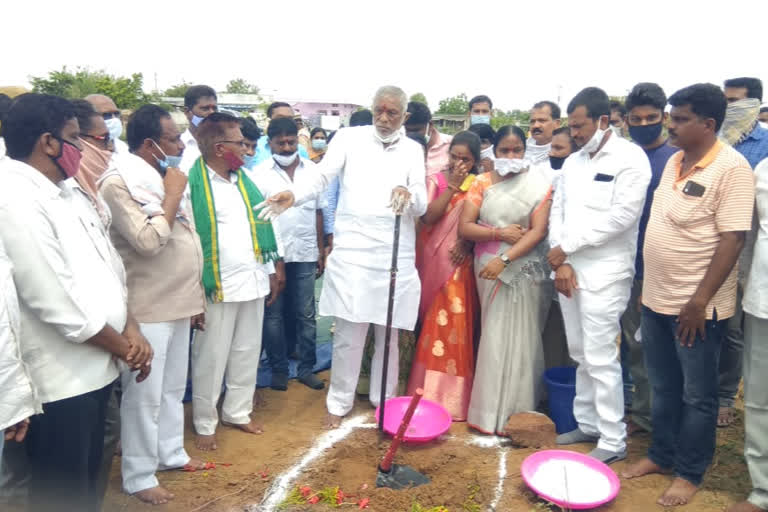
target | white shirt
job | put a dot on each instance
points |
(357, 276)
(70, 281)
(191, 151)
(121, 147)
(297, 226)
(2, 149)
(243, 277)
(756, 292)
(596, 211)
(17, 399)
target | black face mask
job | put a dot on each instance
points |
(645, 135)
(556, 162)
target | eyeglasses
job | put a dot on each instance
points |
(109, 115)
(241, 143)
(102, 138)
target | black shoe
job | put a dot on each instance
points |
(279, 382)
(312, 381)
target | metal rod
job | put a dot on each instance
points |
(388, 332)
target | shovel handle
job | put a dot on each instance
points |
(386, 462)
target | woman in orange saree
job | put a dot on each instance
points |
(443, 365)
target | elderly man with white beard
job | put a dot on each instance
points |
(381, 174)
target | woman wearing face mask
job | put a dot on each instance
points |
(318, 144)
(444, 362)
(507, 216)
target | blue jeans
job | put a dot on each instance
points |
(684, 384)
(295, 307)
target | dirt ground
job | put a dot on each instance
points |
(464, 476)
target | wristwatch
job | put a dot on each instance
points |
(505, 259)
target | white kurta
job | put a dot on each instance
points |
(357, 277)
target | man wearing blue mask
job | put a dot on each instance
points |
(200, 101)
(645, 119)
(276, 110)
(251, 134)
(105, 106)
(152, 231)
(480, 108)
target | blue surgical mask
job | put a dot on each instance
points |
(480, 119)
(250, 161)
(169, 160)
(319, 144)
(196, 120)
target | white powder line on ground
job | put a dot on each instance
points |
(502, 476)
(279, 489)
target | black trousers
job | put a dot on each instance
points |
(65, 445)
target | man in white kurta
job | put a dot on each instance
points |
(374, 164)
(593, 234)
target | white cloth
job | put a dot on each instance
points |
(544, 168)
(297, 226)
(151, 412)
(121, 147)
(2, 149)
(229, 349)
(348, 347)
(243, 277)
(756, 292)
(70, 280)
(191, 151)
(535, 152)
(145, 185)
(591, 322)
(595, 219)
(364, 227)
(18, 400)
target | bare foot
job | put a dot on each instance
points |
(258, 399)
(679, 493)
(744, 506)
(154, 495)
(725, 417)
(206, 443)
(251, 427)
(332, 421)
(194, 464)
(643, 467)
(633, 428)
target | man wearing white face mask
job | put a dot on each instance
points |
(593, 234)
(153, 233)
(545, 118)
(105, 106)
(200, 101)
(381, 173)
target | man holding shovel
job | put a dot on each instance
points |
(381, 174)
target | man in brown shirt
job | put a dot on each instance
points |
(152, 229)
(701, 211)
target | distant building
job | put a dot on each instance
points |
(450, 123)
(322, 113)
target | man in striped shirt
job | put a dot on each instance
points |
(700, 213)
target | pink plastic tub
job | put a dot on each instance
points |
(531, 465)
(430, 420)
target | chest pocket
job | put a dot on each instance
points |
(685, 209)
(600, 191)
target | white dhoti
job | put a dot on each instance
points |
(231, 342)
(151, 412)
(592, 327)
(348, 346)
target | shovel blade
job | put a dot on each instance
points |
(400, 477)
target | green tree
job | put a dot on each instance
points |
(240, 86)
(178, 90)
(127, 92)
(516, 117)
(454, 105)
(420, 98)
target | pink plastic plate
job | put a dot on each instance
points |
(532, 462)
(430, 420)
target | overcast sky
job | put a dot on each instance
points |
(516, 52)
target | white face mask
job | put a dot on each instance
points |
(505, 166)
(597, 138)
(616, 130)
(115, 127)
(388, 139)
(196, 120)
(285, 161)
(487, 153)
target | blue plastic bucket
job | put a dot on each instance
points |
(561, 388)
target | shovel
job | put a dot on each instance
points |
(388, 331)
(396, 476)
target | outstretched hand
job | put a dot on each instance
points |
(400, 199)
(275, 205)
